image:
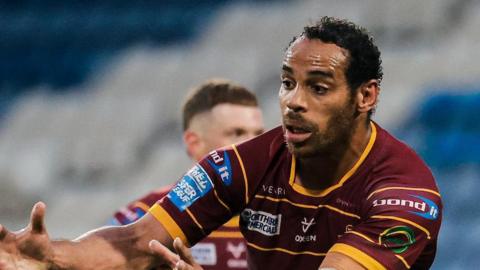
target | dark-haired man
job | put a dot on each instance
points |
(329, 189)
(216, 113)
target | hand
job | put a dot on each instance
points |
(29, 248)
(181, 261)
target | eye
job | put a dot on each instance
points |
(288, 84)
(319, 89)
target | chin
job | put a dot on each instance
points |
(301, 151)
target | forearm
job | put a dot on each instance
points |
(123, 247)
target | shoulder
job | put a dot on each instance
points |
(396, 163)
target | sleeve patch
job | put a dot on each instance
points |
(193, 186)
(398, 238)
(417, 205)
(222, 166)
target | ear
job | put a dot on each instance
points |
(367, 96)
(192, 142)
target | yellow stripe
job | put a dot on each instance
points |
(403, 261)
(320, 193)
(219, 234)
(286, 250)
(142, 206)
(221, 202)
(195, 220)
(168, 223)
(243, 171)
(362, 235)
(307, 205)
(359, 256)
(405, 221)
(233, 222)
(404, 188)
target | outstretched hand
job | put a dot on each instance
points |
(183, 260)
(29, 248)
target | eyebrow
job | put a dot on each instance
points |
(287, 69)
(321, 73)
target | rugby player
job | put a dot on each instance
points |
(217, 113)
(329, 189)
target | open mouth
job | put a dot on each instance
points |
(296, 134)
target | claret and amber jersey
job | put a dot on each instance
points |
(384, 213)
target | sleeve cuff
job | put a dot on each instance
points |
(359, 256)
(168, 223)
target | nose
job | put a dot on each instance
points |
(297, 100)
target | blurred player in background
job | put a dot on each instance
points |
(217, 113)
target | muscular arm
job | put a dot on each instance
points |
(338, 261)
(125, 247)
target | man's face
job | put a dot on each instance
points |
(316, 103)
(226, 124)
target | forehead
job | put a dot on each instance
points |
(227, 114)
(315, 54)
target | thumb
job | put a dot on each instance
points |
(37, 218)
(183, 251)
(166, 256)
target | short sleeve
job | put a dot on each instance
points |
(400, 225)
(206, 197)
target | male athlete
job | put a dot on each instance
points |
(217, 113)
(329, 189)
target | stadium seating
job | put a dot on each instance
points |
(90, 94)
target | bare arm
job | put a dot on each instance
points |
(338, 261)
(125, 247)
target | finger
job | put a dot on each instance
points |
(37, 218)
(183, 251)
(181, 265)
(3, 232)
(166, 255)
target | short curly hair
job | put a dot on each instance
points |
(365, 62)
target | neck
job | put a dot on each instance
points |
(320, 172)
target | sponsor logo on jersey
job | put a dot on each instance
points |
(306, 224)
(398, 238)
(424, 208)
(193, 185)
(262, 222)
(205, 253)
(272, 190)
(222, 166)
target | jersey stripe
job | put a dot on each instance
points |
(357, 255)
(321, 193)
(141, 205)
(404, 188)
(362, 235)
(286, 250)
(233, 222)
(243, 171)
(221, 202)
(168, 223)
(195, 220)
(403, 261)
(308, 205)
(405, 221)
(220, 234)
